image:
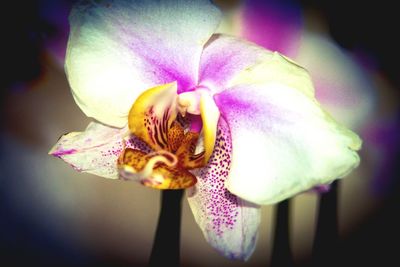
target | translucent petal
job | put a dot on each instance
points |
(96, 150)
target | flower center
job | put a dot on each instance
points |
(180, 132)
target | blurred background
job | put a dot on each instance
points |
(51, 215)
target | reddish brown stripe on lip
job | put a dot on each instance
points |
(157, 138)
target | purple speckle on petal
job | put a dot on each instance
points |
(221, 207)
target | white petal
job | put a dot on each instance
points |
(96, 150)
(283, 142)
(117, 49)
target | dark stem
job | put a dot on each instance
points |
(327, 237)
(281, 254)
(166, 246)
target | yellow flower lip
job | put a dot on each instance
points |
(157, 117)
(152, 114)
(157, 170)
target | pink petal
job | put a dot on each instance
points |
(95, 150)
(274, 24)
(229, 223)
(224, 57)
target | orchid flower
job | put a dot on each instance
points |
(177, 106)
